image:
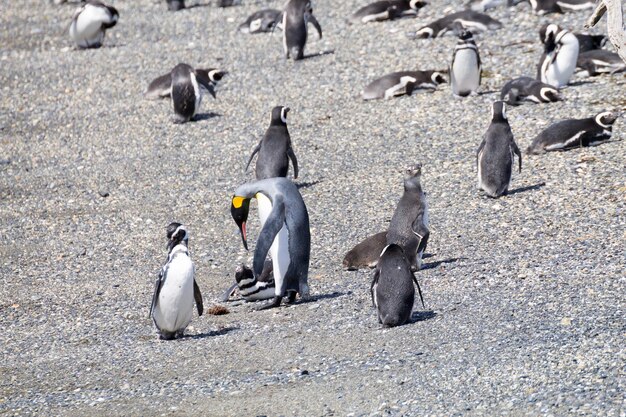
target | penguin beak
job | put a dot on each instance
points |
(239, 210)
(242, 229)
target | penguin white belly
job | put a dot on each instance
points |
(279, 251)
(196, 90)
(465, 76)
(563, 67)
(174, 307)
(87, 28)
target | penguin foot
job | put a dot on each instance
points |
(291, 297)
(274, 303)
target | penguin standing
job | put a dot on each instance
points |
(296, 15)
(469, 19)
(275, 148)
(558, 62)
(392, 288)
(90, 23)
(409, 224)
(495, 155)
(175, 289)
(386, 10)
(574, 133)
(465, 69)
(285, 233)
(400, 83)
(520, 89)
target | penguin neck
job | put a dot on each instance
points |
(178, 247)
(278, 123)
(413, 185)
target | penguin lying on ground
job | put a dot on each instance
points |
(250, 287)
(496, 154)
(265, 20)
(175, 289)
(469, 19)
(521, 89)
(574, 133)
(392, 288)
(600, 61)
(465, 68)
(186, 86)
(542, 7)
(558, 62)
(296, 15)
(484, 5)
(366, 253)
(402, 82)
(587, 42)
(386, 10)
(409, 224)
(90, 23)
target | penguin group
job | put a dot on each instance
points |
(282, 251)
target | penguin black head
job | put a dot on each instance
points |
(176, 233)
(243, 272)
(279, 116)
(548, 34)
(438, 78)
(114, 16)
(240, 206)
(417, 4)
(414, 171)
(606, 119)
(498, 111)
(465, 35)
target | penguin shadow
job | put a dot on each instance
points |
(527, 188)
(212, 333)
(319, 297)
(307, 184)
(193, 6)
(579, 83)
(205, 116)
(318, 54)
(432, 265)
(422, 316)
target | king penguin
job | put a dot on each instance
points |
(275, 148)
(465, 69)
(285, 233)
(175, 289)
(296, 15)
(409, 224)
(90, 23)
(495, 155)
(558, 62)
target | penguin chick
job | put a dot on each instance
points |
(409, 224)
(175, 288)
(574, 133)
(90, 23)
(296, 15)
(400, 83)
(392, 288)
(386, 10)
(521, 89)
(495, 155)
(366, 253)
(275, 148)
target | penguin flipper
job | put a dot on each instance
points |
(254, 152)
(157, 290)
(272, 226)
(518, 153)
(160, 87)
(374, 282)
(197, 296)
(316, 25)
(480, 149)
(294, 161)
(228, 293)
(419, 291)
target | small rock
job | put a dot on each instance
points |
(104, 193)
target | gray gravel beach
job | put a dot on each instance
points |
(525, 295)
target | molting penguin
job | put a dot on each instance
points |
(600, 61)
(386, 10)
(265, 20)
(520, 89)
(465, 69)
(558, 62)
(469, 19)
(587, 42)
(392, 288)
(495, 155)
(409, 224)
(400, 83)
(542, 7)
(175, 289)
(90, 23)
(296, 15)
(574, 133)
(285, 233)
(366, 253)
(175, 5)
(275, 148)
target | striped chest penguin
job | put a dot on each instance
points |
(285, 234)
(465, 69)
(386, 10)
(296, 15)
(574, 133)
(496, 154)
(175, 289)
(409, 224)
(469, 19)
(392, 288)
(600, 61)
(558, 62)
(523, 89)
(261, 21)
(275, 149)
(90, 23)
(400, 83)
